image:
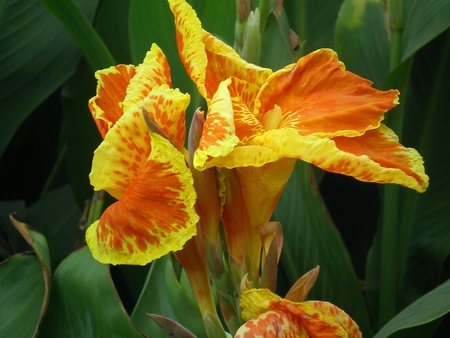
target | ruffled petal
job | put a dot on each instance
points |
(155, 215)
(106, 106)
(218, 136)
(267, 314)
(189, 34)
(167, 107)
(224, 62)
(121, 155)
(376, 156)
(318, 96)
(154, 71)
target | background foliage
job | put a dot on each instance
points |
(383, 251)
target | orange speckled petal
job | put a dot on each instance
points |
(155, 216)
(267, 315)
(243, 96)
(167, 108)
(189, 34)
(106, 106)
(154, 71)
(121, 155)
(224, 62)
(318, 96)
(376, 156)
(218, 136)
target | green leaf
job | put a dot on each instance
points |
(22, 295)
(426, 20)
(84, 302)
(91, 45)
(423, 227)
(38, 55)
(313, 21)
(57, 216)
(362, 39)
(310, 239)
(431, 306)
(276, 50)
(25, 284)
(169, 301)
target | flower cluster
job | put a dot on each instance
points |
(239, 158)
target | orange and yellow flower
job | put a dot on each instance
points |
(268, 315)
(143, 170)
(313, 110)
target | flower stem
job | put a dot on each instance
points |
(390, 260)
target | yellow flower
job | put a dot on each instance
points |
(144, 171)
(268, 315)
(313, 110)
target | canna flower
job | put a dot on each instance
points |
(313, 110)
(268, 315)
(145, 171)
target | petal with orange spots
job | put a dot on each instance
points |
(243, 96)
(106, 106)
(121, 155)
(189, 34)
(155, 215)
(268, 315)
(153, 71)
(167, 107)
(376, 156)
(224, 62)
(318, 96)
(218, 135)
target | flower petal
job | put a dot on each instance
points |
(155, 215)
(121, 155)
(376, 156)
(154, 71)
(261, 307)
(224, 62)
(189, 34)
(106, 106)
(218, 136)
(167, 107)
(208, 60)
(317, 96)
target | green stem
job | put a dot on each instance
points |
(396, 24)
(390, 260)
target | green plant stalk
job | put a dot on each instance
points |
(390, 260)
(91, 45)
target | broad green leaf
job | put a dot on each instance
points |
(426, 20)
(310, 239)
(38, 55)
(111, 23)
(163, 295)
(313, 21)
(276, 50)
(12, 241)
(362, 39)
(22, 295)
(431, 306)
(424, 227)
(91, 45)
(24, 286)
(57, 216)
(84, 302)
